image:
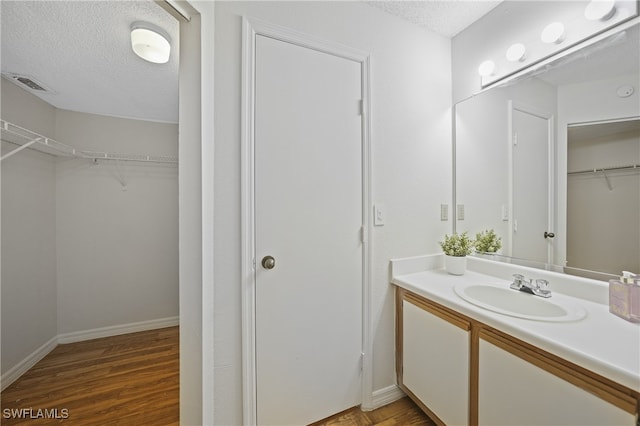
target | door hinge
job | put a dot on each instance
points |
(363, 235)
(515, 139)
(361, 107)
(362, 361)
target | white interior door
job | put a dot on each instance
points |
(531, 199)
(308, 218)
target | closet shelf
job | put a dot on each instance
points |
(25, 138)
(606, 169)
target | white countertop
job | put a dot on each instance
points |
(601, 342)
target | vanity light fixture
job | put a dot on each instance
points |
(486, 68)
(553, 33)
(600, 10)
(516, 52)
(150, 42)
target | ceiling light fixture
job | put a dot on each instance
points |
(150, 42)
(553, 33)
(486, 68)
(516, 52)
(600, 10)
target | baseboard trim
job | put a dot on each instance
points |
(115, 330)
(23, 366)
(385, 396)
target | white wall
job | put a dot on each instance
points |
(585, 102)
(117, 246)
(28, 233)
(411, 148)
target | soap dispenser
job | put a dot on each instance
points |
(624, 296)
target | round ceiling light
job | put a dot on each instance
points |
(150, 42)
(486, 68)
(600, 10)
(553, 33)
(515, 53)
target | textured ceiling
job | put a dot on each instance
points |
(445, 17)
(81, 50)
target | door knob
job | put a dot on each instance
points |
(268, 262)
(549, 234)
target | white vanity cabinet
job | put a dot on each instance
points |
(512, 391)
(435, 361)
(461, 371)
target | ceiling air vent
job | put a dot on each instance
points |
(28, 82)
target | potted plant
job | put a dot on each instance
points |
(488, 242)
(456, 247)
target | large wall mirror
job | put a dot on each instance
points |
(551, 161)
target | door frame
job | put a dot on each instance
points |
(251, 28)
(551, 149)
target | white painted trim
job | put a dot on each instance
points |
(249, 403)
(23, 366)
(32, 359)
(385, 396)
(115, 330)
(250, 29)
(367, 266)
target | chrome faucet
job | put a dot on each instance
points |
(539, 288)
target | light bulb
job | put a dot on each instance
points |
(553, 33)
(516, 52)
(600, 10)
(486, 68)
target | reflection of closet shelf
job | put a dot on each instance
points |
(27, 139)
(606, 169)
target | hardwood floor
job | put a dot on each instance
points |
(400, 413)
(132, 379)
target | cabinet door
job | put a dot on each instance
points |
(514, 392)
(436, 363)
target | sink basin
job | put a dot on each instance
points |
(503, 300)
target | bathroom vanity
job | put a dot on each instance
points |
(470, 352)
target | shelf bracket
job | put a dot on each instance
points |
(20, 148)
(607, 179)
(120, 176)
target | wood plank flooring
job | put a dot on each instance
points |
(132, 379)
(400, 413)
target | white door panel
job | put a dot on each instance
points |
(531, 201)
(308, 215)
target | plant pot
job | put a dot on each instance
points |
(455, 265)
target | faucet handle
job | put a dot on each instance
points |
(542, 284)
(518, 278)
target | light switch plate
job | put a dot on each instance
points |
(378, 215)
(444, 212)
(460, 211)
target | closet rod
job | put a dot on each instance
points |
(605, 169)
